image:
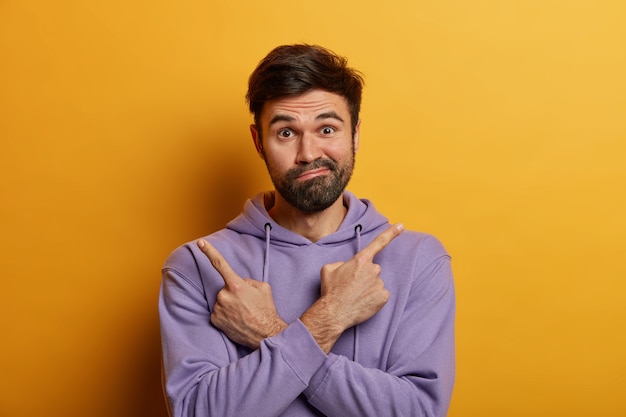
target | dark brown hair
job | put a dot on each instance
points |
(291, 70)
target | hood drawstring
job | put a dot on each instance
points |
(266, 265)
(266, 262)
(357, 229)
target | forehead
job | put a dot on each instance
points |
(306, 106)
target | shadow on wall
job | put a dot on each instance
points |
(215, 180)
(220, 172)
(229, 183)
(145, 395)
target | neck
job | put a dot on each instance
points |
(312, 226)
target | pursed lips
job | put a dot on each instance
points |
(312, 173)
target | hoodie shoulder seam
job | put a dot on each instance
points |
(183, 276)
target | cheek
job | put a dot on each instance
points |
(340, 152)
(278, 162)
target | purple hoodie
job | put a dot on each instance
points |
(400, 362)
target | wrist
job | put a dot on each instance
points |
(323, 324)
(277, 327)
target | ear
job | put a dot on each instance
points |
(256, 138)
(355, 140)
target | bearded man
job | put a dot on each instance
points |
(309, 303)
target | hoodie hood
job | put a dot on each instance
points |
(361, 218)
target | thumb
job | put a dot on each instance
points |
(331, 267)
(253, 283)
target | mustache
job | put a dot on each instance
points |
(293, 173)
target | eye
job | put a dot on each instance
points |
(285, 133)
(327, 130)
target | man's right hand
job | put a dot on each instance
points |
(351, 292)
(244, 309)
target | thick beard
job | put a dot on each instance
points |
(318, 193)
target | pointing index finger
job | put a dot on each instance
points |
(219, 263)
(381, 241)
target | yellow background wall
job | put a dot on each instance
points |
(499, 126)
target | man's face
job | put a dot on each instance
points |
(308, 146)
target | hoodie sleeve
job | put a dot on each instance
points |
(207, 375)
(419, 374)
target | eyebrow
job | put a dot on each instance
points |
(281, 118)
(321, 116)
(329, 115)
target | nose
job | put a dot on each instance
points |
(309, 149)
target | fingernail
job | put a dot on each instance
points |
(400, 227)
(201, 243)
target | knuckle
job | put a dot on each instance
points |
(217, 263)
(361, 258)
(327, 269)
(215, 317)
(383, 240)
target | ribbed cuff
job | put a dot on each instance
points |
(299, 350)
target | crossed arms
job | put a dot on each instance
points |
(207, 377)
(351, 292)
